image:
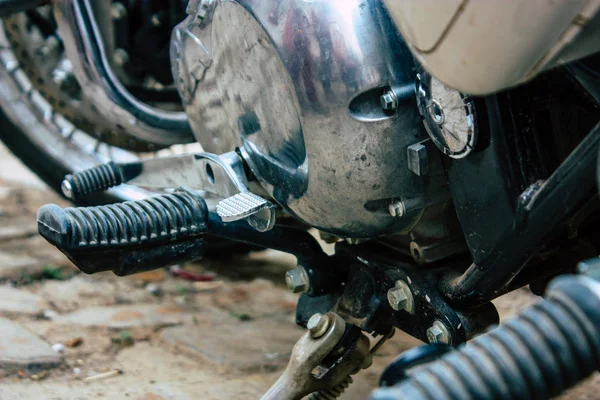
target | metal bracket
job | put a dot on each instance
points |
(220, 175)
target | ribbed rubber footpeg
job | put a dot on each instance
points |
(129, 237)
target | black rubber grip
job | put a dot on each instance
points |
(96, 179)
(546, 349)
(165, 226)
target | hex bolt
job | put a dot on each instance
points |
(397, 209)
(438, 333)
(318, 325)
(297, 280)
(389, 100)
(400, 297)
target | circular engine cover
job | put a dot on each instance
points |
(298, 84)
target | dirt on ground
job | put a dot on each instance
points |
(155, 335)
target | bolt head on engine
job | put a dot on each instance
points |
(438, 333)
(297, 280)
(400, 297)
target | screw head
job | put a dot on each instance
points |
(318, 325)
(400, 297)
(297, 280)
(438, 333)
(389, 101)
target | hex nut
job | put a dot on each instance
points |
(318, 325)
(400, 297)
(297, 280)
(438, 333)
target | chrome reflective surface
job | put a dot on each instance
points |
(448, 115)
(298, 84)
(83, 46)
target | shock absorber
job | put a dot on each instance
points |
(546, 349)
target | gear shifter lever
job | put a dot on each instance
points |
(222, 175)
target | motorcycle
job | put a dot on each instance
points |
(448, 150)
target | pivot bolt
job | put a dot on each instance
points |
(400, 297)
(438, 333)
(297, 280)
(389, 100)
(318, 325)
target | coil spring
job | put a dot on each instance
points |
(546, 349)
(334, 393)
(135, 221)
(96, 179)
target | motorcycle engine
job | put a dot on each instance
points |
(321, 98)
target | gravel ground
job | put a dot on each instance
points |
(167, 338)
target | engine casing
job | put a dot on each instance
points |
(297, 85)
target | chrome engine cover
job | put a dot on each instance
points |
(297, 83)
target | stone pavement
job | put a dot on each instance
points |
(170, 338)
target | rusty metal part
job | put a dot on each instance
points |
(336, 391)
(308, 354)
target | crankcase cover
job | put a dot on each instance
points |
(298, 84)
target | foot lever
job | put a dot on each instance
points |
(129, 237)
